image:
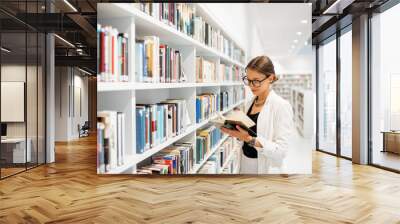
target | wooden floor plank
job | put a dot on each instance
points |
(70, 191)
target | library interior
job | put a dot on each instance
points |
(113, 111)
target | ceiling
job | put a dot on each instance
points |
(282, 37)
(75, 21)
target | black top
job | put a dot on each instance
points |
(249, 151)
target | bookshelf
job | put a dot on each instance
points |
(215, 165)
(213, 150)
(288, 81)
(117, 86)
(124, 96)
(231, 160)
(303, 111)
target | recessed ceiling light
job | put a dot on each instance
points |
(303, 21)
(295, 41)
(306, 43)
(64, 40)
(298, 33)
(293, 46)
(70, 5)
(84, 71)
(5, 50)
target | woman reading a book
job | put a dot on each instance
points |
(266, 145)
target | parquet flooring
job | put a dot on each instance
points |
(69, 191)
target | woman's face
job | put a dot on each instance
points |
(265, 85)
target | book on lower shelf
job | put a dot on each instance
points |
(175, 159)
(223, 158)
(155, 123)
(225, 151)
(112, 57)
(211, 166)
(206, 140)
(110, 141)
(207, 104)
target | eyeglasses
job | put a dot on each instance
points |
(255, 82)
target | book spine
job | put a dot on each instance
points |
(98, 31)
(126, 57)
(100, 148)
(102, 65)
(139, 118)
(113, 52)
(165, 119)
(118, 138)
(153, 126)
(119, 62)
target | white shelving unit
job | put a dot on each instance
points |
(228, 161)
(115, 86)
(197, 167)
(288, 81)
(303, 111)
(123, 96)
(232, 160)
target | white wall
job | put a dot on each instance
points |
(297, 64)
(234, 19)
(61, 104)
(67, 115)
(80, 82)
(255, 46)
(34, 126)
(240, 21)
(15, 72)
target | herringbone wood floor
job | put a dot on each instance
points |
(69, 191)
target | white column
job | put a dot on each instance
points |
(360, 90)
(50, 99)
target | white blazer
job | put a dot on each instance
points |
(274, 131)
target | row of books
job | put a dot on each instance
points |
(232, 167)
(230, 73)
(206, 140)
(238, 94)
(110, 140)
(180, 158)
(205, 70)
(176, 159)
(183, 17)
(177, 15)
(225, 150)
(155, 62)
(212, 37)
(228, 98)
(211, 166)
(207, 104)
(112, 55)
(216, 162)
(155, 123)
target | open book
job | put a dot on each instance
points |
(232, 119)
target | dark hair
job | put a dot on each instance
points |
(264, 65)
